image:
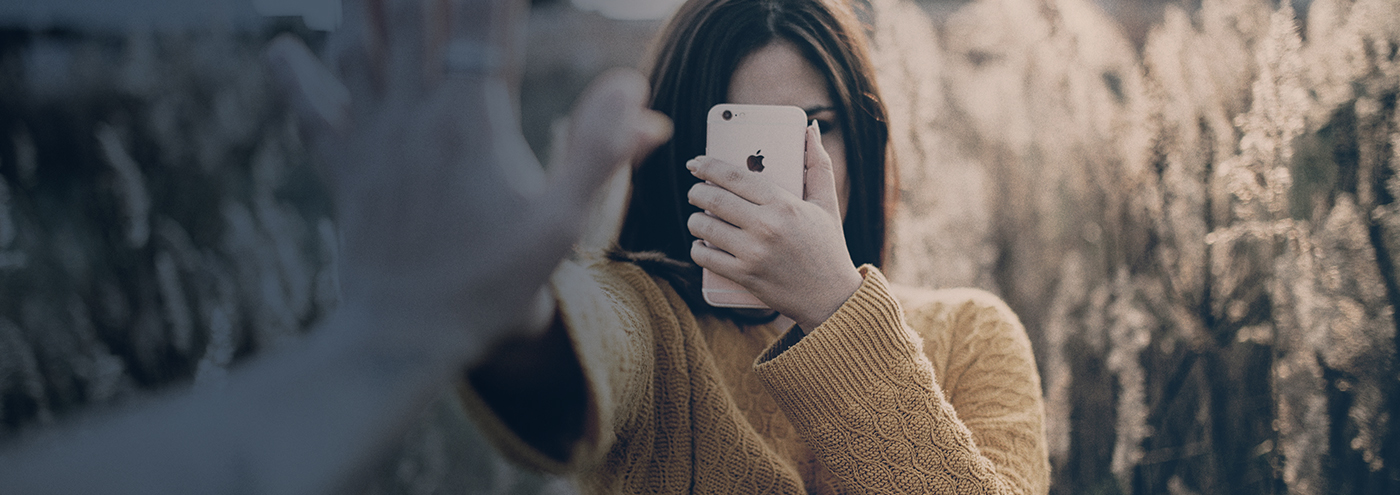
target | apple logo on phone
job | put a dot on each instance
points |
(756, 161)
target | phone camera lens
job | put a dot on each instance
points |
(728, 115)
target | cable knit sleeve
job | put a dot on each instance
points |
(861, 390)
(608, 325)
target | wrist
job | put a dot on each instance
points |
(839, 293)
(399, 332)
(444, 322)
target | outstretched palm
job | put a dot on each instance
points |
(450, 225)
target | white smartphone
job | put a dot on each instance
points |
(768, 140)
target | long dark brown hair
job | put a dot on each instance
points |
(694, 62)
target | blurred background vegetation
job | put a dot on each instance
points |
(1191, 205)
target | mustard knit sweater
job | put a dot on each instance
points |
(900, 391)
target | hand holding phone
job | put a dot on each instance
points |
(764, 139)
(782, 244)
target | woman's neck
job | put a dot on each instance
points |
(778, 320)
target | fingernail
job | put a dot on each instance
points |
(691, 165)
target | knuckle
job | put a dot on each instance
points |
(766, 227)
(758, 253)
(722, 202)
(752, 274)
(739, 251)
(732, 175)
(785, 211)
(744, 270)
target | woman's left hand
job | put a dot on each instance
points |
(451, 227)
(790, 252)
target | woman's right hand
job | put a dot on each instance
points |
(450, 226)
(790, 252)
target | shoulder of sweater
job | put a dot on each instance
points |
(955, 303)
(603, 268)
(913, 297)
(618, 279)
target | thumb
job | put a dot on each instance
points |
(610, 127)
(819, 180)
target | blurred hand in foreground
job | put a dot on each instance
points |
(450, 226)
(450, 230)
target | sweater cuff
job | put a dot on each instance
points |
(856, 349)
(578, 309)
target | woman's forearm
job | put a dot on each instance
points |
(536, 387)
(300, 420)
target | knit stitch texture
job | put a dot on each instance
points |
(900, 391)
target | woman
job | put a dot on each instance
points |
(853, 385)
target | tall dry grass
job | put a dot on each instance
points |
(1198, 226)
(1199, 232)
